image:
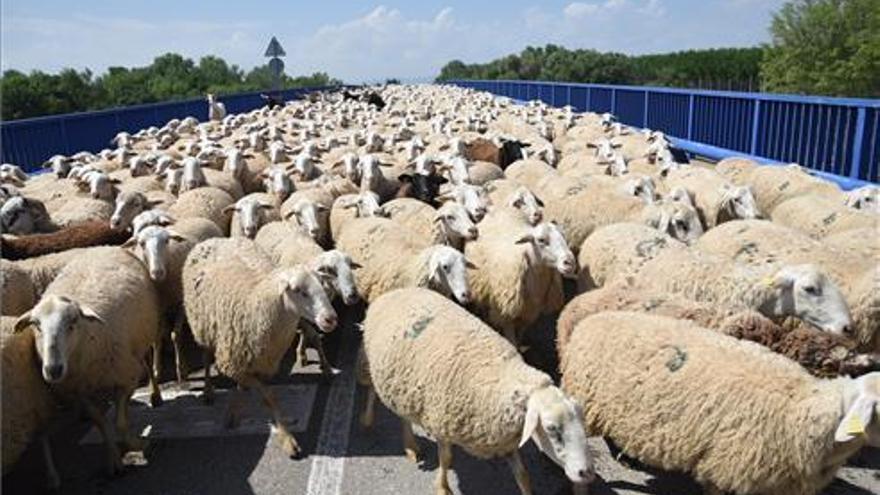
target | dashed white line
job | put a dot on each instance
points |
(328, 464)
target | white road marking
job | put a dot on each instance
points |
(328, 462)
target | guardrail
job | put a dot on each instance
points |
(30, 142)
(838, 138)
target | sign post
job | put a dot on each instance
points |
(276, 65)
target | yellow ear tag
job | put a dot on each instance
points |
(769, 282)
(854, 425)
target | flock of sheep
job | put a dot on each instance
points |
(721, 321)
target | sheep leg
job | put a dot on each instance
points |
(179, 365)
(114, 458)
(301, 357)
(208, 394)
(157, 357)
(313, 340)
(444, 456)
(232, 415)
(285, 438)
(129, 441)
(155, 391)
(520, 473)
(53, 480)
(368, 414)
(410, 446)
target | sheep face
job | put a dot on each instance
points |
(250, 215)
(555, 423)
(234, 163)
(151, 246)
(861, 420)
(642, 187)
(550, 248)
(335, 270)
(367, 205)
(473, 198)
(455, 222)
(523, 200)
(738, 202)
(128, 206)
(277, 182)
(55, 320)
(311, 216)
(678, 219)
(448, 273)
(21, 216)
(173, 180)
(150, 217)
(138, 166)
(351, 168)
(456, 170)
(302, 293)
(100, 185)
(805, 292)
(864, 198)
(193, 177)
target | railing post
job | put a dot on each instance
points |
(690, 117)
(756, 118)
(553, 96)
(613, 101)
(857, 144)
(645, 114)
(568, 94)
(64, 141)
(589, 98)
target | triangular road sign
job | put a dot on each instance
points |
(274, 49)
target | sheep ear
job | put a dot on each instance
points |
(538, 200)
(528, 238)
(174, 236)
(857, 419)
(152, 203)
(130, 242)
(266, 206)
(320, 207)
(89, 314)
(469, 265)
(22, 322)
(356, 266)
(530, 425)
(230, 209)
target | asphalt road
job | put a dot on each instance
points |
(191, 453)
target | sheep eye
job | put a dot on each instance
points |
(542, 241)
(447, 268)
(812, 290)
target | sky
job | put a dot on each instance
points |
(360, 41)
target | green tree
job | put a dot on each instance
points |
(829, 47)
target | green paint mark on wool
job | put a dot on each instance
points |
(677, 361)
(418, 327)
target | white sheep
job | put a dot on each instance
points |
(93, 328)
(864, 198)
(216, 109)
(251, 212)
(802, 291)
(27, 403)
(204, 202)
(163, 251)
(735, 415)
(716, 199)
(243, 312)
(424, 353)
(392, 256)
(450, 224)
(516, 277)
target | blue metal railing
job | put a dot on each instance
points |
(30, 142)
(838, 138)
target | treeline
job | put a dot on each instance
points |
(724, 68)
(819, 47)
(169, 77)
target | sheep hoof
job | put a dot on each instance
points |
(413, 455)
(289, 446)
(156, 400)
(366, 420)
(136, 444)
(115, 466)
